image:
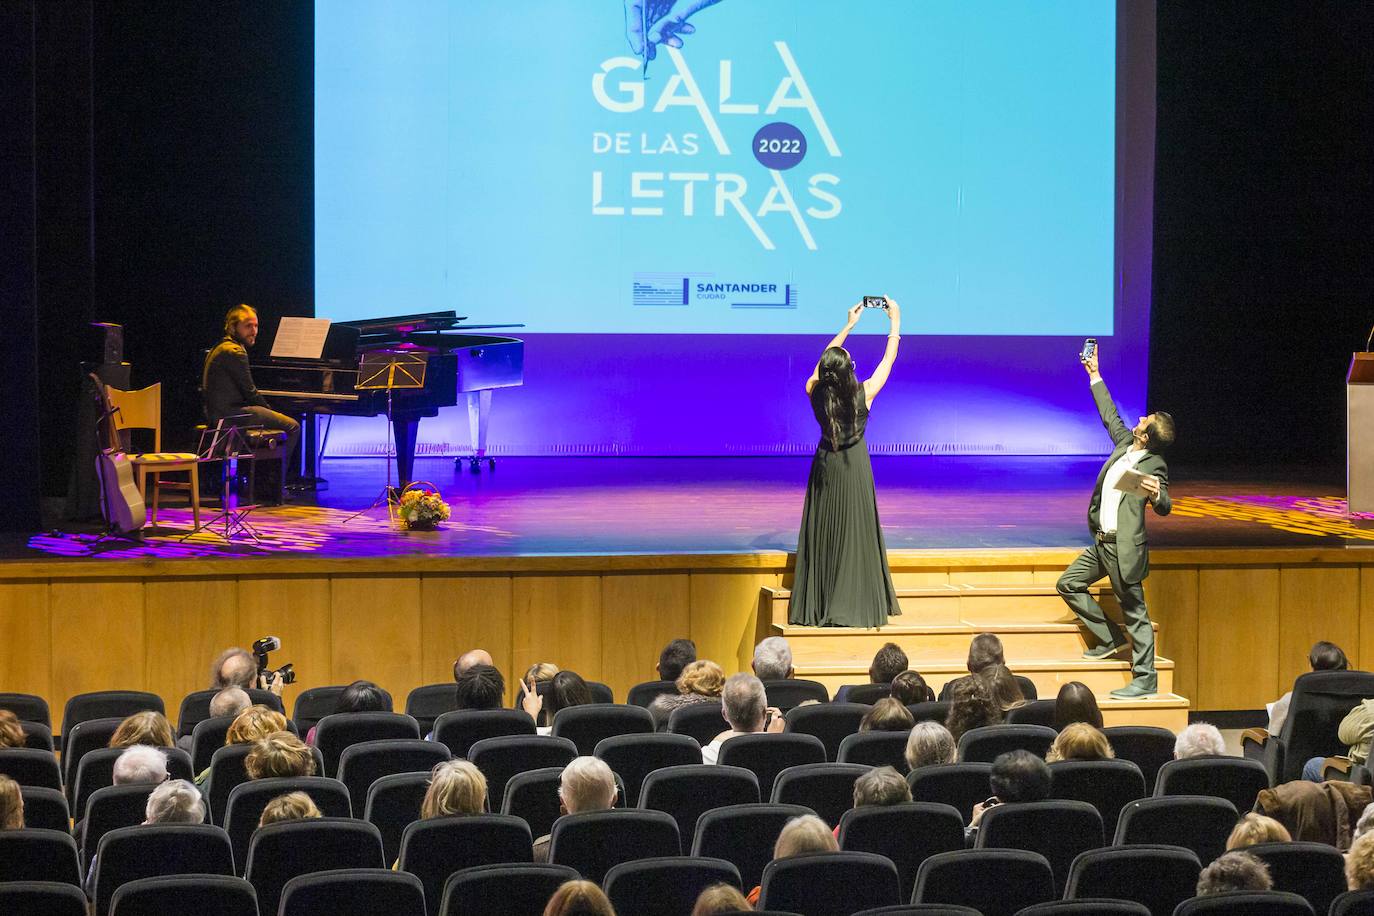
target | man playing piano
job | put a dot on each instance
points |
(226, 382)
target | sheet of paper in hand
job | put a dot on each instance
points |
(1130, 482)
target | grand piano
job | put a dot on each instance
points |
(460, 363)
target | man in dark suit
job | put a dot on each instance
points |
(227, 382)
(1119, 551)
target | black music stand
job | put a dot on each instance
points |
(227, 441)
(389, 371)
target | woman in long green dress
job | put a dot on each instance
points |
(842, 578)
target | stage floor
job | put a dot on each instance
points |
(620, 506)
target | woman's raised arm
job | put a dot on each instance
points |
(878, 379)
(837, 341)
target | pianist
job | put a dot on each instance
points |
(227, 383)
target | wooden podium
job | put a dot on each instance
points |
(1359, 435)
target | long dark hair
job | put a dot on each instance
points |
(839, 390)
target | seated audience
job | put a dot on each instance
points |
(229, 702)
(700, 682)
(255, 722)
(1017, 776)
(887, 715)
(1356, 731)
(587, 784)
(470, 658)
(1255, 828)
(909, 687)
(151, 728)
(799, 836)
(1234, 871)
(880, 786)
(888, 662)
(175, 802)
(292, 806)
(579, 898)
(773, 659)
(1199, 740)
(11, 805)
(929, 744)
(140, 765)
(983, 650)
(745, 706)
(279, 754)
(1359, 864)
(11, 732)
(1325, 656)
(1317, 812)
(455, 787)
(674, 658)
(720, 898)
(480, 687)
(359, 696)
(1080, 741)
(1076, 703)
(566, 688)
(1002, 685)
(971, 706)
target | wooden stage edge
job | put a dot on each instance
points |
(1237, 622)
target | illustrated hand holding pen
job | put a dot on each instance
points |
(662, 21)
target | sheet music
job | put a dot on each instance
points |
(301, 338)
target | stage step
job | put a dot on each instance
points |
(974, 604)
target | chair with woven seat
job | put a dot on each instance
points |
(353, 892)
(1314, 871)
(340, 730)
(501, 758)
(789, 693)
(151, 850)
(41, 898)
(437, 847)
(1197, 822)
(27, 707)
(1107, 785)
(1147, 746)
(995, 882)
(1119, 873)
(1246, 903)
(244, 808)
(687, 791)
(96, 771)
(512, 890)
(767, 755)
(586, 725)
(962, 785)
(1059, 830)
(195, 708)
(360, 765)
(744, 835)
(987, 743)
(29, 766)
(203, 895)
(703, 721)
(665, 885)
(33, 854)
(593, 842)
(393, 803)
(822, 883)
(875, 749)
(1235, 779)
(286, 849)
(644, 694)
(45, 807)
(633, 757)
(1036, 712)
(142, 410)
(908, 834)
(461, 729)
(831, 722)
(826, 788)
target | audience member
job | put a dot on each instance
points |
(140, 765)
(566, 688)
(455, 787)
(1359, 864)
(1076, 703)
(359, 696)
(929, 744)
(279, 754)
(799, 836)
(11, 805)
(1017, 776)
(1325, 656)
(1199, 740)
(909, 687)
(292, 806)
(881, 786)
(983, 650)
(11, 732)
(579, 898)
(470, 658)
(151, 728)
(175, 802)
(719, 899)
(773, 659)
(1316, 812)
(1255, 828)
(888, 662)
(887, 715)
(700, 682)
(229, 702)
(1006, 692)
(540, 672)
(1080, 741)
(235, 667)
(587, 784)
(1356, 731)
(480, 686)
(745, 706)
(253, 723)
(674, 658)
(970, 706)
(1234, 871)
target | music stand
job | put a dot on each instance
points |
(226, 441)
(389, 371)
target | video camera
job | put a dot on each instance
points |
(286, 672)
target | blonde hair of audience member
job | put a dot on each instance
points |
(1234, 871)
(279, 754)
(887, 715)
(1256, 828)
(11, 732)
(455, 787)
(929, 744)
(587, 784)
(721, 898)
(881, 786)
(151, 728)
(254, 724)
(702, 677)
(141, 764)
(1359, 864)
(175, 802)
(1199, 740)
(579, 898)
(540, 672)
(229, 702)
(1080, 741)
(11, 805)
(1002, 684)
(804, 834)
(292, 806)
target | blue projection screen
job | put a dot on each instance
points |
(527, 162)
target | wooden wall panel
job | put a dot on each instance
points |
(640, 614)
(1238, 624)
(1172, 597)
(296, 611)
(1315, 603)
(375, 631)
(723, 616)
(25, 638)
(459, 613)
(1365, 658)
(187, 622)
(557, 619)
(98, 638)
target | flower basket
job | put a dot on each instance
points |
(420, 507)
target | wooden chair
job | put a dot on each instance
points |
(142, 409)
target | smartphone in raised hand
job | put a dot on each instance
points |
(875, 302)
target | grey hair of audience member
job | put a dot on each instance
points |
(1234, 871)
(928, 744)
(773, 659)
(587, 784)
(175, 802)
(1365, 823)
(744, 702)
(229, 702)
(1199, 740)
(140, 765)
(881, 786)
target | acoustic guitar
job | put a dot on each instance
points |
(121, 505)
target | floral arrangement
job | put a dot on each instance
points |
(421, 508)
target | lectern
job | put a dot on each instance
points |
(1359, 435)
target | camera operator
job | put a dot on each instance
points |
(237, 667)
